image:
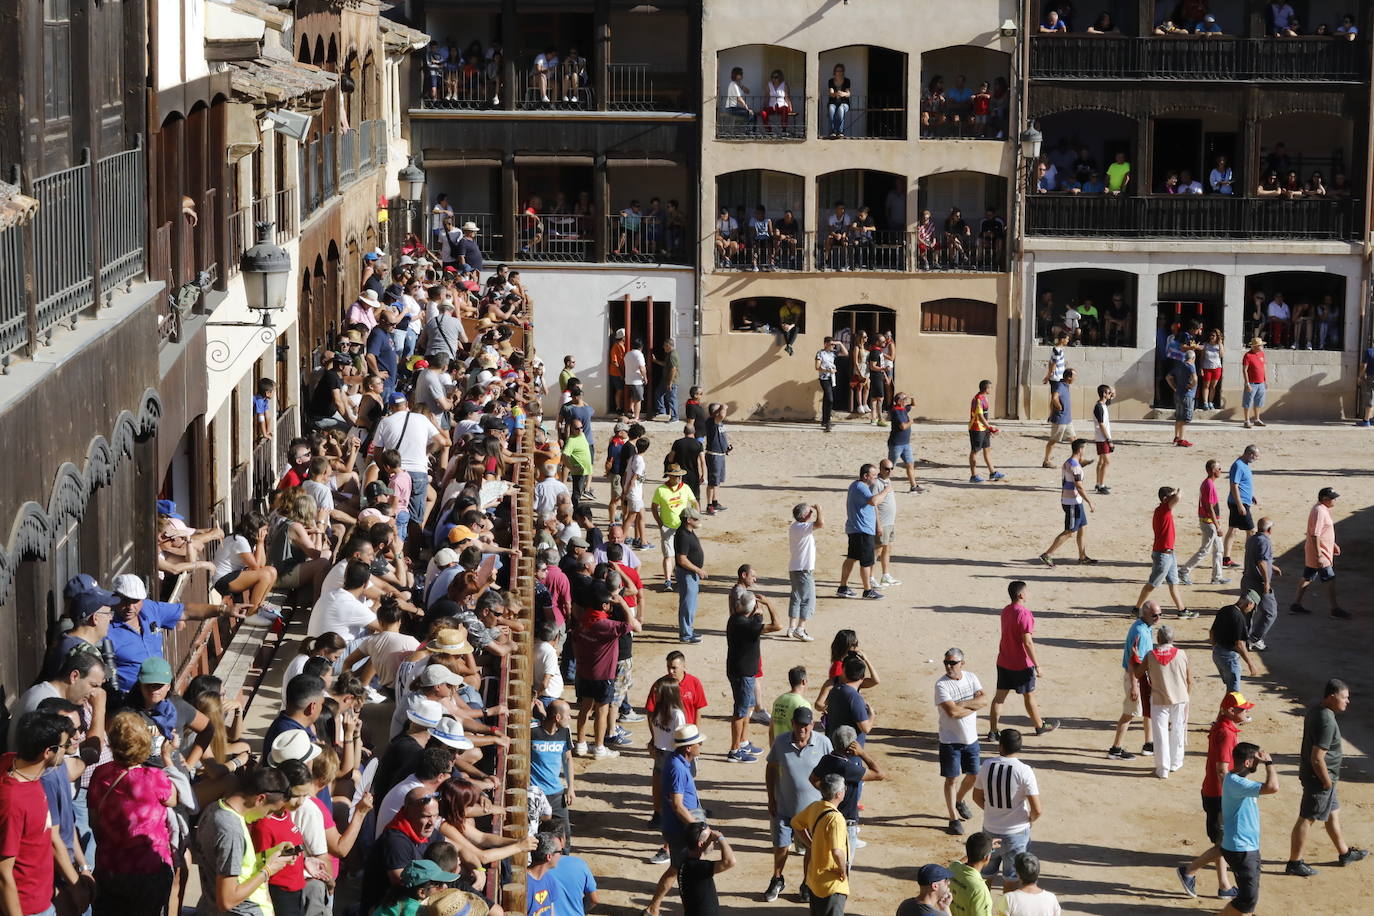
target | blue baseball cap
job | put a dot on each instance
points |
(81, 582)
(929, 874)
(91, 602)
(168, 508)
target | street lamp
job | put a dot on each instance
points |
(1030, 144)
(412, 188)
(265, 268)
(1008, 28)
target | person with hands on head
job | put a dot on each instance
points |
(1240, 823)
(696, 878)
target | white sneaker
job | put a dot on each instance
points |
(565, 98)
(791, 633)
(602, 753)
(545, 100)
(888, 580)
(580, 750)
(803, 635)
(859, 844)
(761, 717)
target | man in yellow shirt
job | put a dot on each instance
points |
(671, 497)
(823, 828)
(971, 895)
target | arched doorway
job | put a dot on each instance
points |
(1184, 296)
(852, 326)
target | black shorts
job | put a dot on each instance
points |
(1245, 868)
(861, 548)
(222, 583)
(595, 689)
(1020, 681)
(1317, 803)
(979, 439)
(1239, 517)
(1211, 808)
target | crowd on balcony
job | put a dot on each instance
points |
(634, 232)
(1083, 323)
(1309, 322)
(1195, 18)
(969, 110)
(474, 77)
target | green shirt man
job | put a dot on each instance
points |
(1118, 174)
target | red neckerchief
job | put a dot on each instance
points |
(593, 616)
(402, 824)
(1165, 654)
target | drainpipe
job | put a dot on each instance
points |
(1020, 188)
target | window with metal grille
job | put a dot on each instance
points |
(959, 316)
(57, 56)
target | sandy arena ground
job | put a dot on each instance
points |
(1111, 834)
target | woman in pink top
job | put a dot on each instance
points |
(1320, 552)
(128, 810)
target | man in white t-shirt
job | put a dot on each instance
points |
(636, 378)
(343, 610)
(825, 372)
(958, 697)
(413, 436)
(632, 493)
(801, 567)
(1007, 792)
(550, 493)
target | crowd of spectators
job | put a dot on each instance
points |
(391, 530)
(1082, 322)
(1308, 323)
(1194, 17)
(966, 110)
(474, 77)
(634, 232)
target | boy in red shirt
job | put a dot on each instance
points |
(693, 693)
(27, 848)
(287, 886)
(1221, 741)
(1163, 563)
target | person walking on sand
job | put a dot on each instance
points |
(1320, 551)
(1163, 561)
(1008, 793)
(1209, 523)
(1258, 575)
(1135, 682)
(861, 526)
(1061, 415)
(1228, 637)
(1017, 665)
(899, 439)
(1221, 745)
(801, 568)
(1319, 769)
(1102, 435)
(1240, 501)
(980, 433)
(1073, 498)
(887, 525)
(958, 697)
(1171, 687)
(1240, 823)
(681, 806)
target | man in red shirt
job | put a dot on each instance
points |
(693, 693)
(1163, 563)
(1252, 366)
(1017, 666)
(29, 841)
(1221, 741)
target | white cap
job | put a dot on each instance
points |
(434, 675)
(450, 732)
(129, 586)
(446, 557)
(423, 711)
(294, 744)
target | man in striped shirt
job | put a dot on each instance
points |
(1009, 795)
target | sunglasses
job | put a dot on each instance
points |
(952, 662)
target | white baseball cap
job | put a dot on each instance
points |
(434, 675)
(129, 586)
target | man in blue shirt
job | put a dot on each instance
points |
(551, 763)
(1139, 641)
(681, 806)
(574, 885)
(136, 632)
(1240, 497)
(1240, 824)
(861, 525)
(381, 353)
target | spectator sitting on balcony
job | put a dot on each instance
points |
(474, 61)
(959, 103)
(1315, 187)
(1221, 178)
(1083, 165)
(992, 234)
(1302, 325)
(453, 66)
(1072, 323)
(736, 100)
(1046, 176)
(1208, 27)
(1090, 322)
(958, 237)
(789, 314)
(631, 229)
(787, 234)
(1187, 184)
(1168, 27)
(1119, 174)
(838, 94)
(1279, 16)
(675, 228)
(1340, 187)
(496, 69)
(1279, 318)
(545, 72)
(1170, 185)
(761, 240)
(1328, 323)
(779, 103)
(862, 240)
(1094, 184)
(1115, 319)
(1269, 185)
(1052, 24)
(1347, 30)
(837, 236)
(727, 238)
(927, 241)
(1103, 25)
(575, 76)
(933, 103)
(1292, 185)
(1254, 320)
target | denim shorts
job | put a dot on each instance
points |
(745, 699)
(900, 454)
(1012, 843)
(1163, 568)
(1254, 395)
(958, 760)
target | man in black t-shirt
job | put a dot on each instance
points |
(744, 661)
(1228, 635)
(689, 454)
(328, 407)
(696, 877)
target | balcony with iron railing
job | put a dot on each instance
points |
(645, 239)
(554, 237)
(1193, 217)
(641, 87)
(1305, 60)
(74, 260)
(881, 251)
(752, 117)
